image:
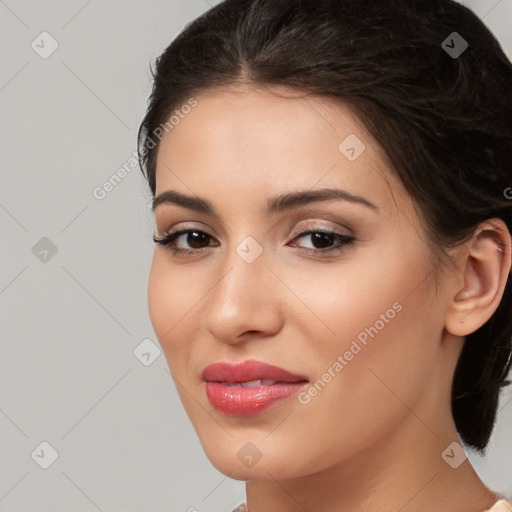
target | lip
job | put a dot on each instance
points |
(246, 371)
(249, 401)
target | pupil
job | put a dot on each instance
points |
(318, 237)
(196, 240)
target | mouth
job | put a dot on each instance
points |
(250, 387)
(257, 383)
(249, 373)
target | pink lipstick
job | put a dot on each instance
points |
(250, 387)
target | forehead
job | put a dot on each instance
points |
(272, 116)
(272, 140)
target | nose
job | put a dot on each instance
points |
(245, 302)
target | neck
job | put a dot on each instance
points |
(402, 472)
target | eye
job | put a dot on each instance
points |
(324, 237)
(194, 238)
(198, 240)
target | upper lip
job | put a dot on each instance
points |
(247, 371)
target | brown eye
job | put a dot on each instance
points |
(324, 239)
(194, 238)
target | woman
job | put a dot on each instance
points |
(331, 277)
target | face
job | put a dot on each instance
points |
(332, 290)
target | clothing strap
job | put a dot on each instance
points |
(502, 505)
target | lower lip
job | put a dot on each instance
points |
(247, 402)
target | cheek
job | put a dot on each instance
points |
(365, 296)
(368, 336)
(172, 297)
(338, 302)
(159, 299)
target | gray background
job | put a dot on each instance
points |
(71, 321)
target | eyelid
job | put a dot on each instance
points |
(182, 226)
(313, 224)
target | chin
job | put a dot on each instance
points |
(233, 459)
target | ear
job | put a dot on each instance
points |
(483, 266)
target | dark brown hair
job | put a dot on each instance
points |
(444, 121)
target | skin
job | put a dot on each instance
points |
(372, 438)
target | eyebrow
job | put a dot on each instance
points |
(276, 204)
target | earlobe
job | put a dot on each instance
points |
(484, 269)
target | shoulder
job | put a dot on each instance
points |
(503, 505)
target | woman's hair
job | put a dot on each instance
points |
(443, 118)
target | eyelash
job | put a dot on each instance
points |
(167, 240)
